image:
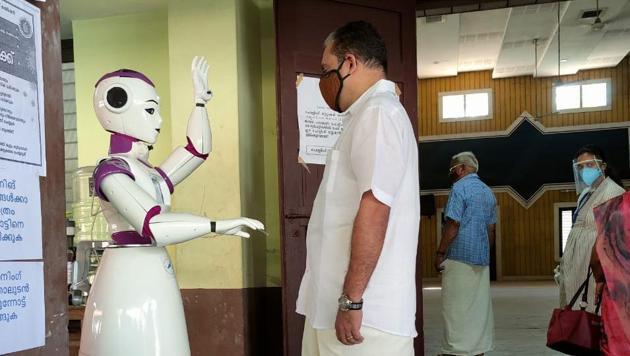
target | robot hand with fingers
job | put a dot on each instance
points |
(135, 306)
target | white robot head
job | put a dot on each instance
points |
(125, 102)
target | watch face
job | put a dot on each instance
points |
(344, 303)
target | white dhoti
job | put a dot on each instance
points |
(466, 309)
(323, 342)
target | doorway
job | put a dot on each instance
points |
(301, 27)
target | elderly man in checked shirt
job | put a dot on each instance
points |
(463, 258)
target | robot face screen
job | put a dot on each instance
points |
(126, 102)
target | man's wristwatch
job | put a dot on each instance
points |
(345, 304)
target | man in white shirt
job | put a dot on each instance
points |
(358, 292)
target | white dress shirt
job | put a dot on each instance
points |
(377, 151)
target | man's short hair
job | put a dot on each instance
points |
(466, 158)
(361, 39)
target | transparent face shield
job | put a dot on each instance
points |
(585, 173)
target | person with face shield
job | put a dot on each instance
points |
(463, 258)
(358, 290)
(595, 184)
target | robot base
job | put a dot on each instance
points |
(134, 306)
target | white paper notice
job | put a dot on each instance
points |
(20, 216)
(22, 139)
(22, 314)
(319, 125)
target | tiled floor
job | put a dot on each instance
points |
(521, 313)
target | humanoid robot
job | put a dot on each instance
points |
(135, 307)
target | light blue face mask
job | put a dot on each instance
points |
(590, 175)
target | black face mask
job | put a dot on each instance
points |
(330, 85)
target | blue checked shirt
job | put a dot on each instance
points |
(473, 205)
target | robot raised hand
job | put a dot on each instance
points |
(200, 80)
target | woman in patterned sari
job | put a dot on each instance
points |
(610, 262)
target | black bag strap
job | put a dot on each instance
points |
(599, 304)
(585, 295)
(584, 287)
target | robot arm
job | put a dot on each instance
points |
(145, 215)
(184, 160)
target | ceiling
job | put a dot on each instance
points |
(524, 40)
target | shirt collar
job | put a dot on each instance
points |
(466, 177)
(381, 86)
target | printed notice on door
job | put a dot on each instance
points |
(319, 125)
(22, 139)
(22, 315)
(20, 216)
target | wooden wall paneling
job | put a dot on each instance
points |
(507, 235)
(511, 241)
(546, 240)
(544, 100)
(421, 109)
(484, 83)
(500, 98)
(537, 246)
(522, 99)
(538, 104)
(519, 245)
(625, 92)
(522, 243)
(545, 218)
(544, 214)
(422, 113)
(433, 105)
(535, 239)
(617, 104)
(526, 103)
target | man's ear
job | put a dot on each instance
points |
(353, 63)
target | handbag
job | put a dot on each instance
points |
(575, 332)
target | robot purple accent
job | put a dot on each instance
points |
(107, 167)
(126, 73)
(119, 143)
(146, 228)
(191, 148)
(130, 238)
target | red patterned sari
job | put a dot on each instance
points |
(613, 251)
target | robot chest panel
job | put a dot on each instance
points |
(151, 182)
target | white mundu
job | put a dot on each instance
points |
(376, 151)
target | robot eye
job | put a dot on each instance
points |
(150, 111)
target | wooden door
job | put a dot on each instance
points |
(301, 27)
